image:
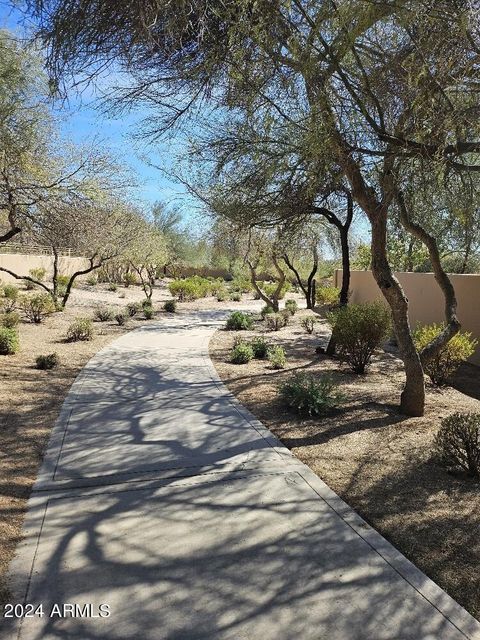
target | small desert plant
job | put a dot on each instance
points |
(450, 357)
(242, 284)
(37, 307)
(112, 286)
(80, 329)
(148, 312)
(129, 279)
(9, 320)
(359, 329)
(327, 296)
(308, 323)
(63, 280)
(260, 348)
(276, 321)
(8, 341)
(235, 296)
(147, 303)
(133, 308)
(10, 294)
(266, 310)
(291, 306)
(458, 442)
(241, 353)
(50, 361)
(102, 314)
(311, 394)
(239, 321)
(121, 317)
(222, 294)
(91, 280)
(38, 274)
(277, 357)
(170, 306)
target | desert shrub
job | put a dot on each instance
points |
(29, 286)
(311, 394)
(239, 321)
(147, 303)
(216, 285)
(80, 329)
(190, 288)
(260, 348)
(121, 318)
(9, 320)
(148, 312)
(458, 442)
(446, 362)
(276, 321)
(241, 353)
(235, 296)
(8, 341)
(277, 357)
(308, 323)
(102, 314)
(92, 280)
(37, 307)
(222, 294)
(291, 306)
(38, 274)
(62, 281)
(242, 284)
(170, 306)
(112, 286)
(133, 308)
(129, 279)
(359, 329)
(327, 295)
(50, 361)
(266, 310)
(10, 295)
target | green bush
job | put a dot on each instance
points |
(121, 318)
(189, 289)
(239, 321)
(81, 329)
(241, 284)
(291, 306)
(311, 394)
(216, 285)
(235, 296)
(241, 353)
(148, 312)
(308, 323)
(50, 361)
(37, 307)
(260, 348)
(327, 295)
(38, 274)
(129, 279)
(458, 442)
(277, 357)
(103, 314)
(10, 295)
(359, 329)
(8, 341)
(9, 320)
(170, 306)
(276, 321)
(92, 280)
(222, 294)
(133, 308)
(112, 286)
(446, 362)
(266, 310)
(269, 289)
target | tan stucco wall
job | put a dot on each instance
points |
(426, 302)
(22, 263)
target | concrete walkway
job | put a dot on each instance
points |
(163, 498)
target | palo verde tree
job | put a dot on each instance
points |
(376, 86)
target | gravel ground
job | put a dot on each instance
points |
(377, 460)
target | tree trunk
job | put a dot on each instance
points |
(253, 278)
(412, 401)
(345, 266)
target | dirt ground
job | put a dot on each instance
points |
(378, 461)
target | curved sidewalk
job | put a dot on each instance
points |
(163, 498)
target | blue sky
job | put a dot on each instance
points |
(81, 120)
